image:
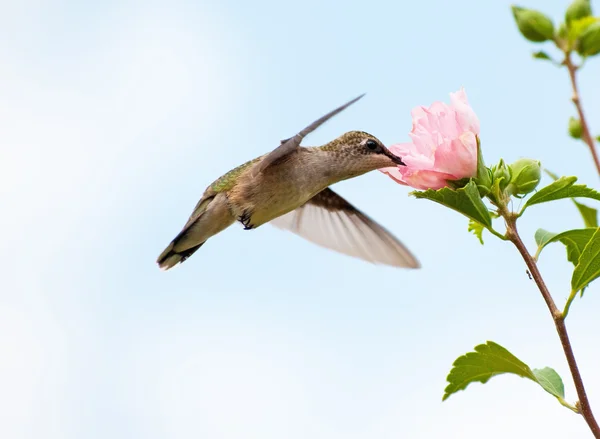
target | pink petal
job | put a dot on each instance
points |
(465, 116)
(458, 157)
(395, 174)
(424, 180)
(444, 145)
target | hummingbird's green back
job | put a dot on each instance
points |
(226, 181)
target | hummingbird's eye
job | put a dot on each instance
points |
(372, 145)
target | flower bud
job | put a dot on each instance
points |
(578, 9)
(589, 40)
(562, 31)
(533, 25)
(575, 128)
(525, 176)
(501, 174)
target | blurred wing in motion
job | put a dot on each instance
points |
(293, 143)
(331, 222)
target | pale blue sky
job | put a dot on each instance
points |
(114, 118)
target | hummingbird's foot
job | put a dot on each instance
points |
(245, 220)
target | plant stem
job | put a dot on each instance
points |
(586, 135)
(559, 322)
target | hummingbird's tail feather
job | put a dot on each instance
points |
(169, 257)
(211, 216)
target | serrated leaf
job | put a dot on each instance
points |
(575, 240)
(465, 200)
(488, 360)
(564, 187)
(477, 229)
(550, 381)
(589, 214)
(588, 268)
(491, 359)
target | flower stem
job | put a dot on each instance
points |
(559, 322)
(586, 135)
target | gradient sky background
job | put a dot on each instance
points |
(115, 115)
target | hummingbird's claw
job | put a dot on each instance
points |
(245, 220)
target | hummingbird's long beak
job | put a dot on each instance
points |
(395, 158)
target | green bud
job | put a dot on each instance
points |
(575, 128)
(501, 174)
(562, 31)
(589, 40)
(533, 25)
(563, 41)
(578, 9)
(577, 27)
(525, 176)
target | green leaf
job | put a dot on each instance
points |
(543, 237)
(564, 187)
(575, 240)
(491, 359)
(465, 200)
(589, 214)
(541, 55)
(477, 229)
(588, 268)
(550, 381)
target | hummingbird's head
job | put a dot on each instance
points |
(362, 152)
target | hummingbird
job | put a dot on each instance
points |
(289, 188)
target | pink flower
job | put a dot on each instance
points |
(444, 145)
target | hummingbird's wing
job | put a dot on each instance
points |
(293, 143)
(330, 221)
